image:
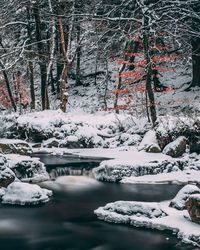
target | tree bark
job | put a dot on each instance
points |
(63, 78)
(8, 87)
(78, 55)
(42, 63)
(150, 94)
(195, 62)
(30, 63)
(119, 84)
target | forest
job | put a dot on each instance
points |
(100, 124)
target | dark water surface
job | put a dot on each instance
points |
(68, 222)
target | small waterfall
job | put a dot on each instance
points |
(62, 171)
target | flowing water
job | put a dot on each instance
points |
(68, 222)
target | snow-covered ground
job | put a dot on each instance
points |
(153, 215)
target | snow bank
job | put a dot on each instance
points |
(152, 215)
(25, 194)
(178, 177)
(92, 130)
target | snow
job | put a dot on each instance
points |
(92, 130)
(6, 174)
(179, 200)
(12, 141)
(172, 124)
(172, 147)
(27, 169)
(148, 140)
(195, 197)
(152, 215)
(14, 146)
(25, 194)
(177, 177)
(135, 164)
(149, 210)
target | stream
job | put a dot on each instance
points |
(67, 222)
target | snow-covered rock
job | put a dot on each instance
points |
(179, 201)
(71, 141)
(132, 208)
(179, 177)
(193, 207)
(25, 194)
(27, 169)
(176, 148)
(7, 176)
(152, 215)
(50, 143)
(149, 143)
(169, 128)
(11, 146)
(140, 164)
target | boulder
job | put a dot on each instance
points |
(169, 128)
(27, 169)
(71, 142)
(11, 146)
(25, 194)
(51, 143)
(179, 201)
(195, 145)
(149, 143)
(7, 176)
(153, 148)
(176, 148)
(193, 207)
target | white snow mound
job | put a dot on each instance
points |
(25, 194)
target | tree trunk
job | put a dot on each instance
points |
(63, 78)
(30, 63)
(195, 62)
(42, 63)
(8, 87)
(78, 55)
(52, 47)
(119, 84)
(150, 94)
(133, 49)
